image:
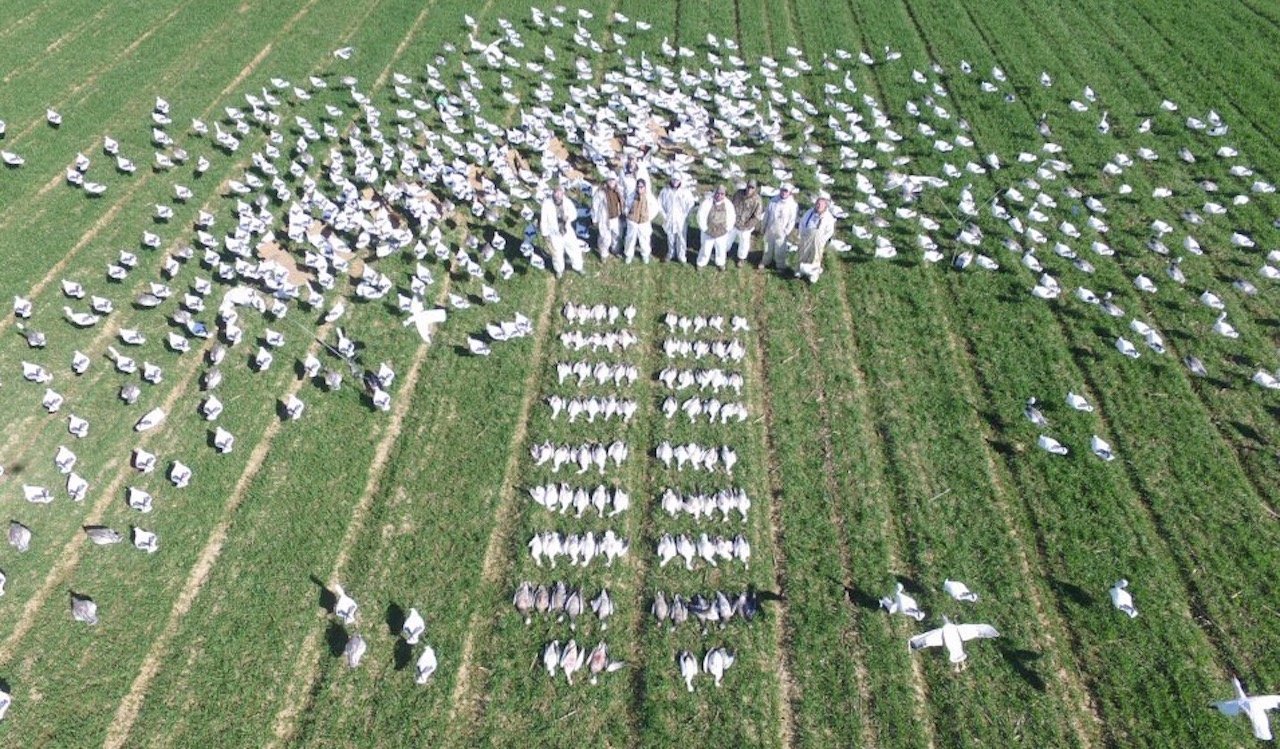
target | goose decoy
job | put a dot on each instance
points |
(1101, 448)
(223, 441)
(179, 474)
(101, 535)
(150, 420)
(79, 363)
(77, 487)
(1121, 599)
(414, 626)
(688, 668)
(139, 499)
(902, 603)
(37, 494)
(145, 540)
(80, 319)
(1050, 445)
(344, 607)
(1034, 415)
(426, 666)
(1254, 707)
(952, 637)
(6, 699)
(64, 460)
(1078, 402)
(959, 591)
(19, 536)
(354, 651)
(83, 609)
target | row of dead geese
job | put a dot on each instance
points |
(580, 548)
(712, 409)
(699, 458)
(585, 455)
(713, 379)
(563, 497)
(602, 373)
(607, 407)
(562, 602)
(724, 350)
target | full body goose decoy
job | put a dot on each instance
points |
(1254, 707)
(426, 666)
(83, 609)
(952, 637)
(344, 607)
(959, 591)
(901, 603)
(1121, 598)
(414, 626)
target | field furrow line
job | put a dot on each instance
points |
(919, 688)
(759, 370)
(55, 45)
(1220, 641)
(1086, 722)
(642, 530)
(404, 44)
(210, 37)
(73, 549)
(114, 210)
(131, 704)
(22, 23)
(466, 704)
(299, 686)
(89, 81)
(834, 490)
(1087, 719)
(1233, 447)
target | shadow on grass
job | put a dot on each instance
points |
(327, 600)
(1020, 661)
(857, 597)
(1074, 593)
(337, 638)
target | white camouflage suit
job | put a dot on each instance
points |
(677, 201)
(556, 226)
(779, 222)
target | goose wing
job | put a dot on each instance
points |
(930, 639)
(976, 631)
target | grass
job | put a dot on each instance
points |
(885, 440)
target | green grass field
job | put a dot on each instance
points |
(885, 438)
